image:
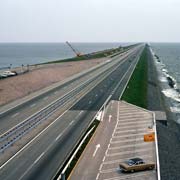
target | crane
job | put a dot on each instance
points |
(78, 54)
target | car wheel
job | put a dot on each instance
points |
(150, 167)
(132, 170)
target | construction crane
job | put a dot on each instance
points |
(78, 54)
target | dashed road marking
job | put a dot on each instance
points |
(38, 158)
(58, 136)
(71, 123)
(32, 105)
(97, 176)
(14, 115)
(45, 98)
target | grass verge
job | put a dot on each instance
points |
(136, 90)
(99, 54)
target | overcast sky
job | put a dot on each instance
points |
(89, 20)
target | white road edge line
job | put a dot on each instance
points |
(97, 177)
(31, 141)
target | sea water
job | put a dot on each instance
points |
(17, 54)
(167, 60)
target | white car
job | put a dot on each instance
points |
(7, 74)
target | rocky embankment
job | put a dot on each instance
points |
(168, 135)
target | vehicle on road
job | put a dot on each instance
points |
(7, 74)
(136, 164)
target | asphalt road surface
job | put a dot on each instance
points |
(45, 154)
(118, 138)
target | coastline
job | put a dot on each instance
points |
(39, 77)
(168, 89)
(168, 133)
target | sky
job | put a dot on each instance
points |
(90, 20)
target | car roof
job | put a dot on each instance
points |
(136, 159)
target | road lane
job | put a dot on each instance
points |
(8, 122)
(14, 134)
(58, 148)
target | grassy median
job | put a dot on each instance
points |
(136, 90)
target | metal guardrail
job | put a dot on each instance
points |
(62, 173)
(14, 134)
(79, 75)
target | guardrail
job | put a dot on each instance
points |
(62, 173)
(54, 88)
(14, 134)
(157, 150)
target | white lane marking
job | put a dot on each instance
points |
(71, 123)
(131, 145)
(30, 167)
(80, 112)
(109, 170)
(96, 149)
(32, 105)
(147, 157)
(26, 171)
(59, 136)
(104, 158)
(135, 175)
(129, 135)
(130, 152)
(45, 98)
(3, 165)
(123, 159)
(96, 95)
(90, 102)
(38, 158)
(131, 130)
(133, 123)
(23, 148)
(133, 126)
(110, 116)
(55, 92)
(106, 152)
(101, 167)
(14, 115)
(126, 141)
(97, 177)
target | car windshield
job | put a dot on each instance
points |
(130, 162)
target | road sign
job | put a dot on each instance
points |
(149, 137)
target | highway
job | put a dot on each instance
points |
(12, 118)
(45, 153)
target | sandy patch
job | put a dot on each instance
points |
(39, 77)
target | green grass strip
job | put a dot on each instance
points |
(136, 90)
